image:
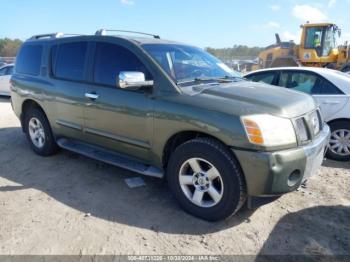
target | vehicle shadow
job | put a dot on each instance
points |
(99, 189)
(336, 164)
(316, 231)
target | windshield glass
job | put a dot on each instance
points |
(330, 41)
(186, 63)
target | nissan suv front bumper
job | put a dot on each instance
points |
(270, 174)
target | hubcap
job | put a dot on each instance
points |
(201, 182)
(339, 142)
(36, 132)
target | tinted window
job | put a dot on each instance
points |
(111, 59)
(299, 81)
(29, 60)
(325, 87)
(70, 61)
(264, 78)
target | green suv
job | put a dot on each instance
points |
(167, 110)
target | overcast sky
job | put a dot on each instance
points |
(215, 23)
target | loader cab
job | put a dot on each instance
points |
(319, 38)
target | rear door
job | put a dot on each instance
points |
(330, 98)
(69, 62)
(327, 95)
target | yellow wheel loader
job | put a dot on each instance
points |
(318, 48)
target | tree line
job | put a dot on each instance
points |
(9, 47)
(235, 51)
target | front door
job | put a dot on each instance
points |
(117, 118)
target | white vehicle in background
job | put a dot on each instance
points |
(330, 88)
(5, 75)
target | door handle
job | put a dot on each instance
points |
(331, 102)
(91, 96)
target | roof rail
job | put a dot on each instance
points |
(104, 32)
(52, 35)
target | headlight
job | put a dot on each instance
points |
(301, 129)
(267, 130)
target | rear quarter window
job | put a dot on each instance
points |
(29, 60)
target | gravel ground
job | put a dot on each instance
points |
(69, 204)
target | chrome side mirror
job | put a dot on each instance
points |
(132, 80)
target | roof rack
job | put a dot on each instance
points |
(105, 31)
(52, 35)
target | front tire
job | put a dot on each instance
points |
(38, 132)
(206, 179)
(339, 143)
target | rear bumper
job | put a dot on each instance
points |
(276, 173)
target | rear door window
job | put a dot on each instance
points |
(69, 61)
(267, 78)
(324, 87)
(29, 60)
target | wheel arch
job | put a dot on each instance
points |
(338, 120)
(26, 105)
(181, 137)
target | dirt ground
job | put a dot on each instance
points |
(69, 204)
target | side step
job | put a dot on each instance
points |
(109, 157)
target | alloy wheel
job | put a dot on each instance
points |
(339, 142)
(36, 132)
(201, 182)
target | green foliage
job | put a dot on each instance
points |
(235, 51)
(9, 47)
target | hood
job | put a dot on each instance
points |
(245, 97)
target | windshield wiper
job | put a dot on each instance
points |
(208, 79)
(230, 78)
(195, 80)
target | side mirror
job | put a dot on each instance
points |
(132, 80)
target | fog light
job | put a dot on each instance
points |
(294, 178)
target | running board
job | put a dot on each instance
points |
(109, 157)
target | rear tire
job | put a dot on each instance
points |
(38, 132)
(339, 142)
(212, 190)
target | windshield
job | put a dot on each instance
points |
(186, 63)
(330, 41)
